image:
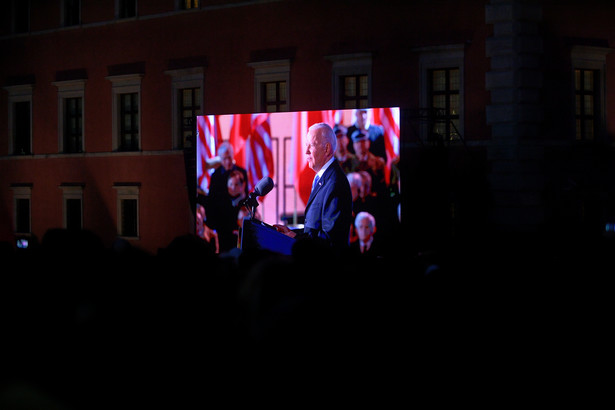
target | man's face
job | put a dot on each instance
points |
(342, 143)
(315, 150)
(364, 230)
(227, 160)
(361, 147)
(361, 118)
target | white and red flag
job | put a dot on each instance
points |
(389, 119)
(250, 137)
(208, 139)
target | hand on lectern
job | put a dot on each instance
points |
(285, 230)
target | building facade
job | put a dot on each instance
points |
(508, 105)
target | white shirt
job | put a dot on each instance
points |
(324, 167)
(366, 245)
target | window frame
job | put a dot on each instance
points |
(22, 191)
(180, 5)
(64, 5)
(267, 72)
(124, 84)
(17, 94)
(278, 102)
(70, 89)
(71, 191)
(180, 80)
(344, 65)
(590, 58)
(435, 58)
(127, 191)
(118, 14)
(446, 93)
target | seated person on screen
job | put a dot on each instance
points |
(374, 132)
(369, 162)
(348, 161)
(367, 244)
(221, 212)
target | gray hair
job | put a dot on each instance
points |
(225, 146)
(354, 178)
(326, 132)
(365, 215)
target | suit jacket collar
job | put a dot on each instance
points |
(323, 179)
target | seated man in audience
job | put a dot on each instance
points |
(369, 162)
(367, 244)
(348, 161)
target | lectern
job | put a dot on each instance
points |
(256, 234)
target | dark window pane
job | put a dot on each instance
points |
(587, 104)
(127, 8)
(354, 91)
(21, 128)
(73, 125)
(129, 217)
(129, 122)
(73, 213)
(72, 12)
(22, 215)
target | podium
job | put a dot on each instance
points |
(258, 235)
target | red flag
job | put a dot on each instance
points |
(250, 137)
(389, 119)
(259, 150)
(240, 131)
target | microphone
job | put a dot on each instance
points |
(263, 187)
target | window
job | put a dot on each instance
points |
(354, 92)
(441, 92)
(589, 68)
(71, 13)
(126, 8)
(129, 122)
(73, 124)
(22, 198)
(351, 80)
(443, 106)
(70, 115)
(72, 210)
(187, 103)
(127, 209)
(20, 119)
(586, 90)
(22, 127)
(190, 107)
(189, 4)
(273, 96)
(21, 16)
(126, 99)
(271, 79)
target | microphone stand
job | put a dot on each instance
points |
(251, 203)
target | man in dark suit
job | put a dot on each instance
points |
(328, 213)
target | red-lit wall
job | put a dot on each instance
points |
(226, 37)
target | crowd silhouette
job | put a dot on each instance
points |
(89, 326)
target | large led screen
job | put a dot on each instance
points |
(236, 151)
